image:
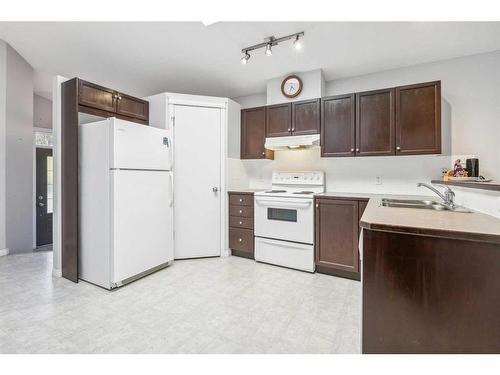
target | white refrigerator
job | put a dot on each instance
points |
(125, 201)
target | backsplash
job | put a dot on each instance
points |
(383, 174)
(397, 174)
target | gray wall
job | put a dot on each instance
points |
(19, 153)
(42, 112)
(3, 63)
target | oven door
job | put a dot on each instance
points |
(288, 219)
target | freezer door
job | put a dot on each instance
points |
(142, 222)
(136, 146)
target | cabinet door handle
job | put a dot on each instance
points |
(289, 129)
(293, 129)
(317, 205)
(240, 240)
(352, 150)
(357, 150)
(263, 152)
(398, 148)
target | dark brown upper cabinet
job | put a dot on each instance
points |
(306, 117)
(338, 125)
(106, 102)
(279, 120)
(418, 119)
(129, 106)
(253, 134)
(375, 123)
(95, 96)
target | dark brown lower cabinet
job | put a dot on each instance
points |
(337, 236)
(424, 294)
(241, 233)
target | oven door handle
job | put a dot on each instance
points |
(284, 203)
(285, 244)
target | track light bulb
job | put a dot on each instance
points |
(245, 58)
(297, 44)
(269, 52)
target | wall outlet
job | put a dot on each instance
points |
(378, 180)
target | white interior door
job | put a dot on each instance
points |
(197, 182)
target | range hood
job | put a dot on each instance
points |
(292, 142)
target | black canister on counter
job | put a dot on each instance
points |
(472, 166)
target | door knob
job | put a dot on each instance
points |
(215, 189)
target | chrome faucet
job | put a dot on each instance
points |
(448, 196)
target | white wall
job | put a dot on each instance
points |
(471, 126)
(56, 134)
(3, 87)
(251, 101)
(19, 153)
(42, 112)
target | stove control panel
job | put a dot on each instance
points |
(299, 178)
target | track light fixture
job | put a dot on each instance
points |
(269, 43)
(297, 44)
(245, 58)
(269, 51)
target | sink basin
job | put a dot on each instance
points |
(416, 203)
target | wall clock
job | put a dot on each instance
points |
(291, 86)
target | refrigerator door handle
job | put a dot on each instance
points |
(171, 154)
(171, 198)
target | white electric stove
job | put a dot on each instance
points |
(284, 219)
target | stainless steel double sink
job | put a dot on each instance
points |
(423, 204)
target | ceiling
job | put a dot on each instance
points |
(188, 57)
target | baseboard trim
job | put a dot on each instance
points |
(56, 272)
(4, 252)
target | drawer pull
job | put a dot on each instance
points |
(240, 239)
(241, 211)
(241, 223)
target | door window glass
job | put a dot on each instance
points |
(282, 214)
(50, 185)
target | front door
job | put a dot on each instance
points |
(44, 202)
(197, 181)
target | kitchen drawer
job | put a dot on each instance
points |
(240, 199)
(241, 211)
(241, 240)
(241, 222)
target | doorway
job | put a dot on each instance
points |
(44, 203)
